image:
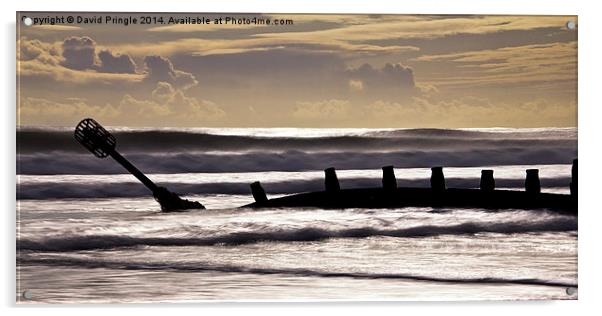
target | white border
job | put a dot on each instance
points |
(589, 119)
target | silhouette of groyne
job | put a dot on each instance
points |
(438, 195)
(101, 143)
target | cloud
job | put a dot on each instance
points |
(396, 76)
(207, 47)
(73, 60)
(163, 91)
(161, 69)
(287, 76)
(322, 110)
(325, 66)
(419, 112)
(471, 111)
(44, 72)
(40, 111)
(79, 53)
(427, 27)
(350, 34)
(391, 82)
(76, 61)
(167, 106)
(356, 85)
(115, 63)
(171, 106)
(293, 74)
(427, 89)
(517, 64)
(37, 50)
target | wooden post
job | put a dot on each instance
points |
(574, 178)
(487, 181)
(389, 181)
(437, 179)
(331, 182)
(258, 192)
(532, 184)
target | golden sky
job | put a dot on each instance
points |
(321, 71)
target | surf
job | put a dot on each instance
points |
(306, 234)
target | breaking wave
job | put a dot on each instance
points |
(94, 242)
(33, 141)
(55, 151)
(293, 160)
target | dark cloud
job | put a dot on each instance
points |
(161, 69)
(79, 53)
(116, 63)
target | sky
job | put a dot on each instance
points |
(368, 71)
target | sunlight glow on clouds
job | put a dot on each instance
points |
(325, 71)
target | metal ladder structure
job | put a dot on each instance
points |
(102, 144)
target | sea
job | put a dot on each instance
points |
(89, 232)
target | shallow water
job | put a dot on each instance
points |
(129, 250)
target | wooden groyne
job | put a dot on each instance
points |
(102, 144)
(438, 195)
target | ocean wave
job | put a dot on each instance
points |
(41, 190)
(94, 242)
(533, 133)
(35, 141)
(292, 160)
(203, 267)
